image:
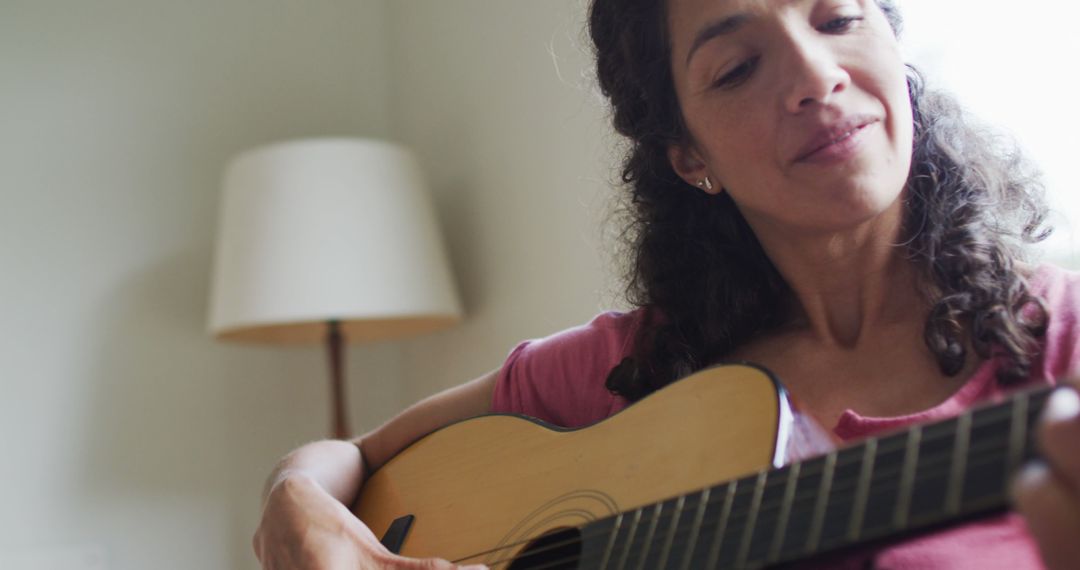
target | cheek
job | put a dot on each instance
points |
(888, 85)
(892, 76)
(900, 118)
(737, 144)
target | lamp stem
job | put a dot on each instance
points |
(334, 342)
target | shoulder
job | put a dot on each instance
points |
(608, 332)
(1059, 289)
(560, 378)
(1055, 285)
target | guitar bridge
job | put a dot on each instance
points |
(395, 535)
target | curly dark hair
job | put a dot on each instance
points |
(971, 205)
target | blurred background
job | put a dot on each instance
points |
(133, 440)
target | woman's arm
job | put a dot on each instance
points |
(306, 521)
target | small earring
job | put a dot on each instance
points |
(705, 183)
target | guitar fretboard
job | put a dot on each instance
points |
(896, 484)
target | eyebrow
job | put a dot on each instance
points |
(716, 29)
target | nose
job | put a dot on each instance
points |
(814, 75)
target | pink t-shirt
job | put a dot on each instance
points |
(560, 379)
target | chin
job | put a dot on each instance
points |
(854, 211)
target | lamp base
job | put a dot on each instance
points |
(335, 350)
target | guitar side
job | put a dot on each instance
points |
(481, 489)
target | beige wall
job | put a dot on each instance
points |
(495, 99)
(131, 439)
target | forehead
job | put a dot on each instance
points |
(683, 12)
(689, 20)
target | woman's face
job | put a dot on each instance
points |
(798, 108)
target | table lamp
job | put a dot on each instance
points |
(328, 241)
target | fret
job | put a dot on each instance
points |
(924, 476)
(611, 542)
(714, 514)
(646, 543)
(1036, 401)
(768, 515)
(841, 499)
(931, 473)
(907, 477)
(730, 544)
(807, 490)
(751, 520)
(880, 508)
(695, 529)
(902, 481)
(721, 528)
(785, 513)
(958, 463)
(595, 539)
(1017, 433)
(862, 490)
(822, 501)
(630, 531)
(985, 479)
(665, 550)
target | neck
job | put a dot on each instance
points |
(846, 282)
(890, 485)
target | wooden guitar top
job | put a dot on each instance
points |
(481, 489)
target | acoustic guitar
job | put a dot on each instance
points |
(639, 489)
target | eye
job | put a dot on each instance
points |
(840, 25)
(736, 76)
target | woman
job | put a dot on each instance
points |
(796, 200)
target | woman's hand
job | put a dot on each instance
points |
(305, 522)
(303, 527)
(1048, 494)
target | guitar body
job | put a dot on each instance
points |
(483, 489)
(714, 471)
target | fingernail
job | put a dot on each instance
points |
(1032, 472)
(1030, 475)
(1063, 406)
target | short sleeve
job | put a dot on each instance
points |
(1060, 291)
(560, 378)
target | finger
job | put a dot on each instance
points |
(432, 564)
(256, 545)
(1059, 435)
(1052, 512)
(424, 563)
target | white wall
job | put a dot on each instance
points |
(129, 436)
(493, 96)
(130, 439)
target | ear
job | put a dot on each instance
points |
(688, 164)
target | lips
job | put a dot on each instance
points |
(834, 136)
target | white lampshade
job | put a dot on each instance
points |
(328, 229)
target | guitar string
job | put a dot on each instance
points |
(548, 565)
(815, 467)
(735, 515)
(844, 485)
(992, 416)
(802, 500)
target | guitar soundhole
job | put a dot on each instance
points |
(559, 550)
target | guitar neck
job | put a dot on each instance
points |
(897, 484)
